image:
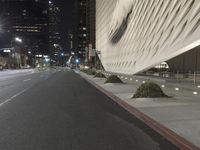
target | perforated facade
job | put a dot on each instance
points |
(135, 35)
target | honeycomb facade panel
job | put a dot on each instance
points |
(135, 35)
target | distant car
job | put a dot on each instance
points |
(25, 67)
(1, 67)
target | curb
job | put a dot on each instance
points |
(170, 135)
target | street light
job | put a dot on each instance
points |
(72, 53)
(17, 39)
(77, 61)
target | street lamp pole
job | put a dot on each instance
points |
(18, 40)
(95, 59)
(77, 61)
(98, 53)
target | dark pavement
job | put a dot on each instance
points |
(61, 111)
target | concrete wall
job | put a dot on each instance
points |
(135, 35)
(187, 62)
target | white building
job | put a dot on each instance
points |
(135, 35)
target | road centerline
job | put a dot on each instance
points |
(26, 80)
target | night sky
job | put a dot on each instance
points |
(67, 8)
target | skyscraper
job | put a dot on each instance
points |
(27, 19)
(79, 29)
(90, 22)
(54, 35)
(84, 29)
(90, 31)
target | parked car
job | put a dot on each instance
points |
(1, 67)
(26, 67)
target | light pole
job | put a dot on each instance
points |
(97, 52)
(62, 60)
(18, 40)
(95, 59)
(77, 61)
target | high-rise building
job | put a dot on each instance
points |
(27, 19)
(84, 30)
(134, 36)
(90, 22)
(79, 29)
(54, 35)
(90, 32)
(70, 41)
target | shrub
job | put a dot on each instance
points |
(91, 72)
(149, 90)
(88, 71)
(113, 79)
(99, 75)
(84, 70)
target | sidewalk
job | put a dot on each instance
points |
(9, 73)
(181, 114)
(15, 71)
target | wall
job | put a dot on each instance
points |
(135, 35)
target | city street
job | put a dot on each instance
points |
(59, 110)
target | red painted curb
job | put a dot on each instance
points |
(170, 135)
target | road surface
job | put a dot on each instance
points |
(59, 110)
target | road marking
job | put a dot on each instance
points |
(41, 76)
(14, 96)
(176, 89)
(27, 80)
(163, 86)
(195, 92)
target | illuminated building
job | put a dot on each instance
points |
(134, 36)
(54, 35)
(27, 19)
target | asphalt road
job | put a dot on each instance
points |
(59, 110)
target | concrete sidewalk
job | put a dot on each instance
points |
(8, 74)
(180, 114)
(16, 71)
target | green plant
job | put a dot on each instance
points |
(84, 70)
(91, 72)
(149, 90)
(99, 75)
(113, 79)
(88, 71)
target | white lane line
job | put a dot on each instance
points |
(41, 76)
(27, 80)
(14, 96)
